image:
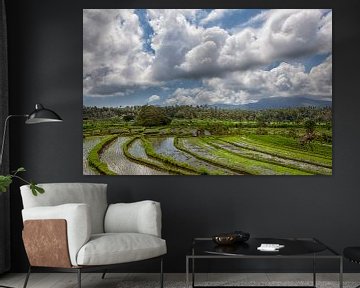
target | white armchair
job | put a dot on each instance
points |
(72, 228)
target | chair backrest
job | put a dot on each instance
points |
(55, 194)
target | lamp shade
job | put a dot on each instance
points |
(42, 115)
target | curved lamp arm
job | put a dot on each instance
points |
(4, 134)
(39, 115)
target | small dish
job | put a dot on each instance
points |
(225, 239)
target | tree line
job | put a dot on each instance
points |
(164, 115)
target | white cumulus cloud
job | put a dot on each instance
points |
(199, 52)
(285, 80)
(154, 98)
(215, 15)
(229, 62)
(113, 58)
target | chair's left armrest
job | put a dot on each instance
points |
(138, 217)
(78, 225)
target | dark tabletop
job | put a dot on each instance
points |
(292, 247)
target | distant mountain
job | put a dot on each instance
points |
(278, 102)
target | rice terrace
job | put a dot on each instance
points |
(150, 140)
(207, 92)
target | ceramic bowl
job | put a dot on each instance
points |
(225, 239)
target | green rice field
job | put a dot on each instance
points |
(112, 146)
(208, 155)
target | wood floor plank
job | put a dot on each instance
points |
(12, 279)
(55, 280)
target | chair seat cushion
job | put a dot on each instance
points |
(114, 248)
(352, 253)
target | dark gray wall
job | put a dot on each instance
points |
(45, 49)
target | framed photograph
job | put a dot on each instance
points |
(207, 91)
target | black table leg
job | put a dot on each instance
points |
(314, 271)
(341, 273)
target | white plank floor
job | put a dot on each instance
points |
(113, 280)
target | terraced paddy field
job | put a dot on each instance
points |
(206, 155)
(165, 146)
(113, 156)
(282, 158)
(88, 144)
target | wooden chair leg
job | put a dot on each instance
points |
(79, 277)
(27, 277)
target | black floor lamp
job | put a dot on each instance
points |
(39, 115)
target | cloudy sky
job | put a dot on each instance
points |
(204, 56)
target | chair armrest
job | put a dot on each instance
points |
(52, 250)
(78, 223)
(138, 217)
